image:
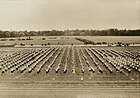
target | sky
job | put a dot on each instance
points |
(69, 14)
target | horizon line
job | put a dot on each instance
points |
(70, 29)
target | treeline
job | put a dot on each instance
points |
(109, 32)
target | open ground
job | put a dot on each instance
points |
(67, 68)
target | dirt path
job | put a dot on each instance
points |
(69, 93)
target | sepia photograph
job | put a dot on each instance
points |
(69, 48)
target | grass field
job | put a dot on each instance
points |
(68, 40)
(52, 40)
(113, 39)
(71, 63)
(55, 70)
